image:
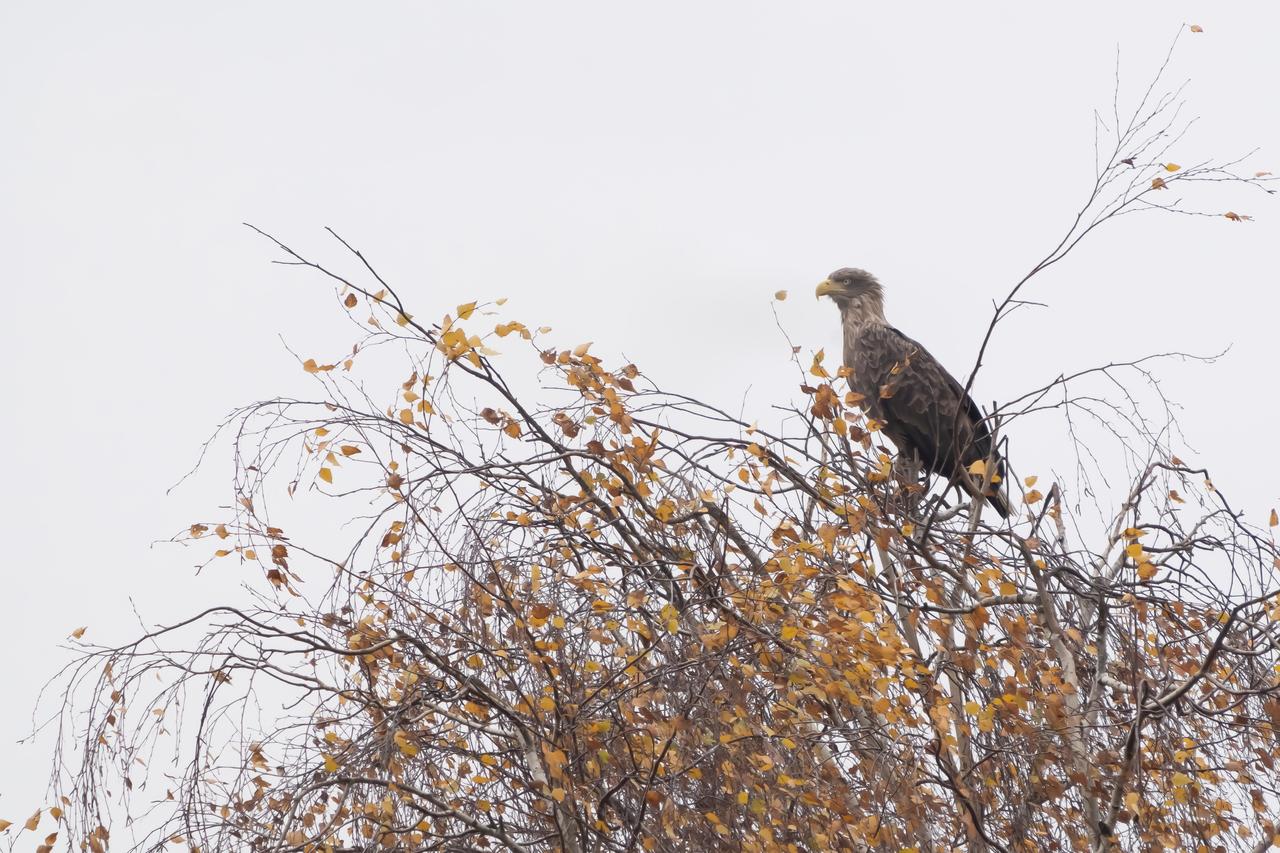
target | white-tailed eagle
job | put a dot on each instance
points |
(920, 406)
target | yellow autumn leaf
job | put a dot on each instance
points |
(816, 369)
(5, 824)
(330, 766)
(789, 632)
(978, 468)
(33, 821)
(465, 310)
(406, 416)
(1171, 167)
(1275, 520)
(79, 632)
(780, 295)
(405, 745)
(546, 703)
(1146, 571)
(504, 329)
(326, 475)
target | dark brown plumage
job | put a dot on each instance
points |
(922, 407)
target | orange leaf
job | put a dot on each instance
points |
(780, 295)
(1196, 28)
(33, 821)
(816, 369)
(350, 301)
(404, 744)
(79, 632)
(326, 475)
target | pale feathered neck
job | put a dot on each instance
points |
(867, 308)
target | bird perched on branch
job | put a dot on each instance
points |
(919, 405)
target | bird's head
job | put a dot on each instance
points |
(854, 290)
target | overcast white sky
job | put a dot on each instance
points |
(640, 175)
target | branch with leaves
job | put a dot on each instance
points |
(561, 608)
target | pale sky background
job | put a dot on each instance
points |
(640, 175)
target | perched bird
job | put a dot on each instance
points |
(921, 406)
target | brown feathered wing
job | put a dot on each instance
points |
(907, 390)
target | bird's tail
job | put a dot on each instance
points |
(999, 501)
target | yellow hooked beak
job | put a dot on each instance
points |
(826, 287)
